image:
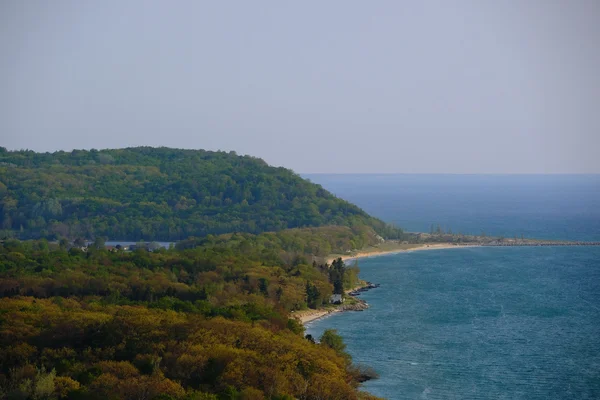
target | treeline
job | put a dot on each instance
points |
(440, 235)
(212, 279)
(160, 194)
(209, 321)
(319, 242)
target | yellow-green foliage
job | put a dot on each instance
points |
(211, 320)
(289, 244)
(121, 352)
(213, 279)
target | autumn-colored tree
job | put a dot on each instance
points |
(173, 324)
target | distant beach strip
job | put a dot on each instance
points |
(419, 247)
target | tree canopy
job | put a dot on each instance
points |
(207, 320)
(161, 194)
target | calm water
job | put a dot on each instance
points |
(535, 206)
(166, 245)
(484, 323)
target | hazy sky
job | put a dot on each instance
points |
(465, 86)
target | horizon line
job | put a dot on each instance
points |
(450, 173)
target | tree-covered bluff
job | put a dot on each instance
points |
(160, 194)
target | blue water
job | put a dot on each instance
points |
(535, 206)
(481, 323)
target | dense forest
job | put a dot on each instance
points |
(208, 320)
(160, 194)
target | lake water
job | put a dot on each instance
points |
(166, 245)
(535, 206)
(481, 323)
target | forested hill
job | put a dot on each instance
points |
(160, 194)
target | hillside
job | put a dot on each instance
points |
(206, 320)
(210, 321)
(160, 194)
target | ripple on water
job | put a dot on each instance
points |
(479, 323)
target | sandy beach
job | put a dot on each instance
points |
(306, 316)
(374, 253)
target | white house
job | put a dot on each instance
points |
(336, 299)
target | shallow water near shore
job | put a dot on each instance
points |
(479, 323)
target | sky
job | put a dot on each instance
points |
(462, 86)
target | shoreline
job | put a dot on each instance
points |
(307, 316)
(375, 253)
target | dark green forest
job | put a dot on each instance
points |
(160, 194)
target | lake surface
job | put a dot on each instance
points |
(482, 323)
(166, 245)
(535, 206)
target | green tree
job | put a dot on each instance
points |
(336, 275)
(99, 243)
(330, 338)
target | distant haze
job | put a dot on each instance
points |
(465, 86)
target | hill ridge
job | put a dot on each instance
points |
(161, 194)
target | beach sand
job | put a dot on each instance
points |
(376, 252)
(306, 316)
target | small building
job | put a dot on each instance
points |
(336, 299)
